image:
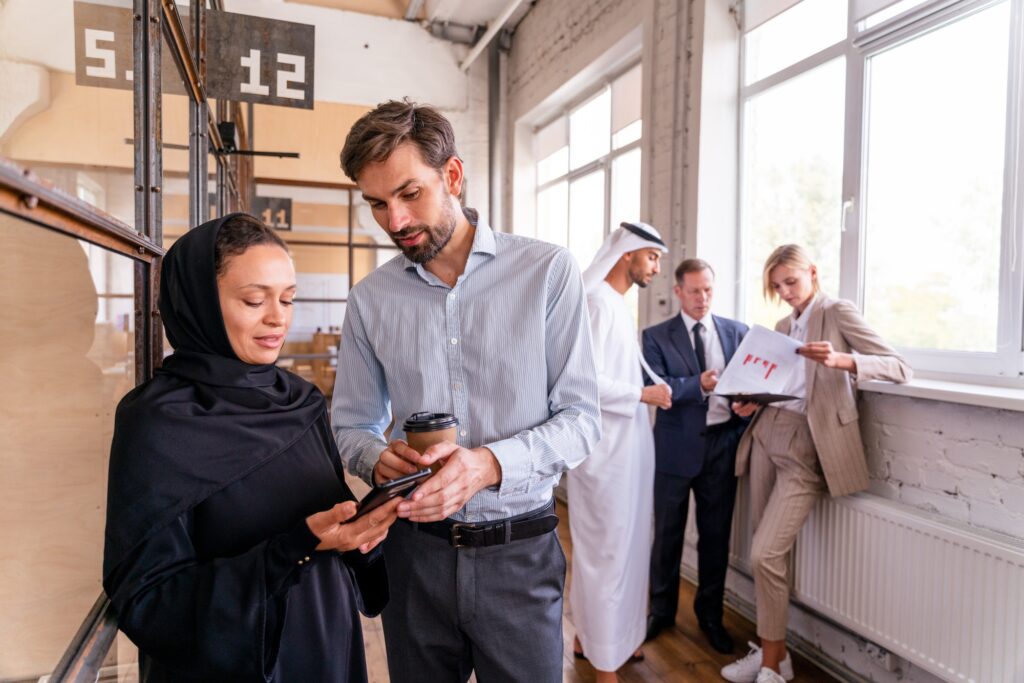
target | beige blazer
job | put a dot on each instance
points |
(831, 394)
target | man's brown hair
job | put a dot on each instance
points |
(378, 133)
(692, 265)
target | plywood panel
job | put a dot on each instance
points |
(56, 420)
(317, 135)
(88, 126)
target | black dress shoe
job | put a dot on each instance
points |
(656, 625)
(717, 636)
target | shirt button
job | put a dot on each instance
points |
(452, 295)
(456, 386)
(462, 433)
(454, 340)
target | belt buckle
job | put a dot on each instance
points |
(453, 535)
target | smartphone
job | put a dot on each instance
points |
(388, 490)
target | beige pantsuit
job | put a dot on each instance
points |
(794, 458)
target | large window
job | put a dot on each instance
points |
(881, 135)
(588, 168)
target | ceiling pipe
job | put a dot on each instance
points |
(493, 29)
(412, 11)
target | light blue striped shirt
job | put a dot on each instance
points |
(507, 350)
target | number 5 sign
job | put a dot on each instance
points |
(248, 59)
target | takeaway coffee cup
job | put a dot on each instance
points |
(423, 430)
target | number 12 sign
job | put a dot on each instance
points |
(248, 59)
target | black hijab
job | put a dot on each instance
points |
(206, 419)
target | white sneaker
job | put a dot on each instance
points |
(768, 676)
(748, 669)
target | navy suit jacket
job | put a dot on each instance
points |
(679, 431)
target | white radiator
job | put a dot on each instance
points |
(948, 600)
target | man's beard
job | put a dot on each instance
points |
(435, 239)
(638, 278)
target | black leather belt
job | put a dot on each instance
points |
(497, 532)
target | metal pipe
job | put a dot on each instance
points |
(413, 9)
(181, 53)
(492, 30)
(84, 657)
(146, 51)
(199, 143)
(494, 135)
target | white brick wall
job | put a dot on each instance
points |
(963, 462)
(469, 121)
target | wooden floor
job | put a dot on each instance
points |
(678, 654)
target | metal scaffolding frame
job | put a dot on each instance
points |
(25, 196)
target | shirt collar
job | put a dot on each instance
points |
(800, 322)
(707, 321)
(484, 247)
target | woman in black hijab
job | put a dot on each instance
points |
(226, 500)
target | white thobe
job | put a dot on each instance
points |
(611, 497)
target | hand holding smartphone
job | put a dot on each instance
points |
(388, 490)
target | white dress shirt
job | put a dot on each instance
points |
(714, 359)
(797, 384)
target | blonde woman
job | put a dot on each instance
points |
(797, 450)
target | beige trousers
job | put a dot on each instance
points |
(785, 482)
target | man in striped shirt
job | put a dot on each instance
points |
(491, 328)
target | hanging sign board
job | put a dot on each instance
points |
(275, 212)
(248, 59)
(103, 50)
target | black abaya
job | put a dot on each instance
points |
(215, 465)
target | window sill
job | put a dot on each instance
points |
(1004, 398)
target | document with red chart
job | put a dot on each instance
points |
(760, 368)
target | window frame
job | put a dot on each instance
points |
(1005, 365)
(604, 162)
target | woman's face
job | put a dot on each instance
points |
(795, 286)
(256, 292)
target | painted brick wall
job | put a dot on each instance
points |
(965, 463)
(469, 121)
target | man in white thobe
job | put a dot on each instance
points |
(610, 494)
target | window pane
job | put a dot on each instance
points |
(627, 135)
(887, 13)
(586, 217)
(934, 185)
(792, 179)
(799, 32)
(625, 188)
(69, 356)
(627, 96)
(553, 214)
(590, 130)
(553, 166)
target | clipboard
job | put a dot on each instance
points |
(761, 398)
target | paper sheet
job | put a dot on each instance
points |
(763, 364)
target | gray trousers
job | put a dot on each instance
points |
(496, 610)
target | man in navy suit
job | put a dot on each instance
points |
(695, 450)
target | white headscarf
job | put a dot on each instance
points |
(629, 237)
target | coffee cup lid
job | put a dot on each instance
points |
(429, 422)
